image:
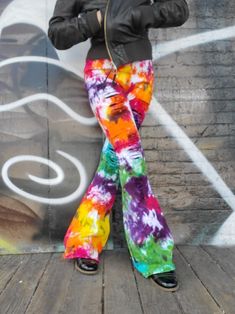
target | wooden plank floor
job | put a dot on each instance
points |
(45, 283)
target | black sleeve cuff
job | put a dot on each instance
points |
(93, 22)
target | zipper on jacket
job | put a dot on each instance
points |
(105, 35)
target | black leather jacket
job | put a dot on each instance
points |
(125, 22)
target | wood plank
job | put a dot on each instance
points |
(8, 266)
(220, 285)
(16, 297)
(85, 293)
(120, 294)
(224, 256)
(51, 291)
(192, 295)
(38, 284)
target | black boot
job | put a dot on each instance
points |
(166, 281)
(86, 265)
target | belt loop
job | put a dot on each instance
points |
(107, 77)
(114, 78)
(115, 69)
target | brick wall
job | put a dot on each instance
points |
(188, 134)
(196, 88)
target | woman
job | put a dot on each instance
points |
(119, 78)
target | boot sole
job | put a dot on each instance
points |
(90, 272)
(165, 289)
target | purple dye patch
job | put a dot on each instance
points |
(144, 216)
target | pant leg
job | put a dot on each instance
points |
(89, 229)
(149, 238)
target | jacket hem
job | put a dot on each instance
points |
(140, 49)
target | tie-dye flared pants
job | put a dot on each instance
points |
(120, 99)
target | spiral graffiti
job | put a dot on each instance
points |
(54, 181)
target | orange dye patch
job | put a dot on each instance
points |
(120, 130)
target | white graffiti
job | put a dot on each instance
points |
(51, 182)
(193, 152)
(59, 63)
(33, 13)
(37, 13)
(53, 99)
(164, 49)
(225, 236)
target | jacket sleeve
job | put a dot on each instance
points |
(164, 13)
(69, 26)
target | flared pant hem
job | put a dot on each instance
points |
(148, 270)
(72, 255)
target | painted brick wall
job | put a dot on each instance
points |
(188, 134)
(195, 86)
